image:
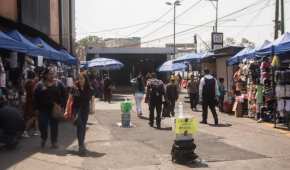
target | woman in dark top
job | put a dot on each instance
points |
(82, 95)
(48, 92)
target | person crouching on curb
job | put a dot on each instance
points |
(81, 96)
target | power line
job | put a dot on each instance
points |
(149, 24)
(255, 17)
(209, 22)
(192, 6)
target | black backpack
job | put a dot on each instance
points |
(209, 89)
(157, 90)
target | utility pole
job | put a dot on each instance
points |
(195, 43)
(282, 17)
(174, 25)
(279, 22)
(277, 19)
(175, 3)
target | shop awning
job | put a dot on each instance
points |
(50, 52)
(67, 58)
(170, 66)
(279, 46)
(239, 56)
(9, 43)
(32, 49)
(192, 57)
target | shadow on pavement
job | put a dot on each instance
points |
(221, 125)
(31, 146)
(166, 128)
(144, 118)
(90, 154)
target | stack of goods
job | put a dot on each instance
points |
(282, 78)
(253, 79)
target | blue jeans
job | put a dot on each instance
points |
(45, 119)
(81, 123)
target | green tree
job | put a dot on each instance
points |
(247, 43)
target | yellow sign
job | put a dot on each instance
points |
(186, 126)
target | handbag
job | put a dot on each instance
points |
(57, 111)
(69, 114)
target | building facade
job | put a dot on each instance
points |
(53, 18)
(133, 42)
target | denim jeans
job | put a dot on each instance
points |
(45, 120)
(138, 99)
(81, 123)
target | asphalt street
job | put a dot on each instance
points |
(238, 143)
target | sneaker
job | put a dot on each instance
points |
(203, 122)
(25, 134)
(82, 150)
(35, 133)
(260, 121)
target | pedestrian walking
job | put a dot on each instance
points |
(222, 92)
(108, 89)
(48, 95)
(155, 94)
(193, 91)
(139, 90)
(208, 90)
(171, 95)
(81, 96)
(30, 116)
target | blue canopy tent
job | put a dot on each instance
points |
(170, 66)
(279, 46)
(239, 56)
(247, 53)
(104, 64)
(67, 58)
(32, 49)
(9, 43)
(194, 57)
(254, 54)
(50, 53)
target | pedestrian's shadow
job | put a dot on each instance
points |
(91, 154)
(221, 125)
(166, 129)
(143, 118)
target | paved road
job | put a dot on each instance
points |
(237, 144)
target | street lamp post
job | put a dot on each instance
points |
(216, 14)
(176, 3)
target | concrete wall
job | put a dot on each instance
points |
(54, 20)
(225, 71)
(8, 9)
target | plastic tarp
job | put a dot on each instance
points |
(9, 43)
(279, 46)
(195, 57)
(170, 66)
(104, 64)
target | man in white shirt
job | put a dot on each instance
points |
(208, 90)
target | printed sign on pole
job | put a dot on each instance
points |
(186, 126)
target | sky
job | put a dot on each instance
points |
(142, 18)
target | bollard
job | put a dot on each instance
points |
(183, 148)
